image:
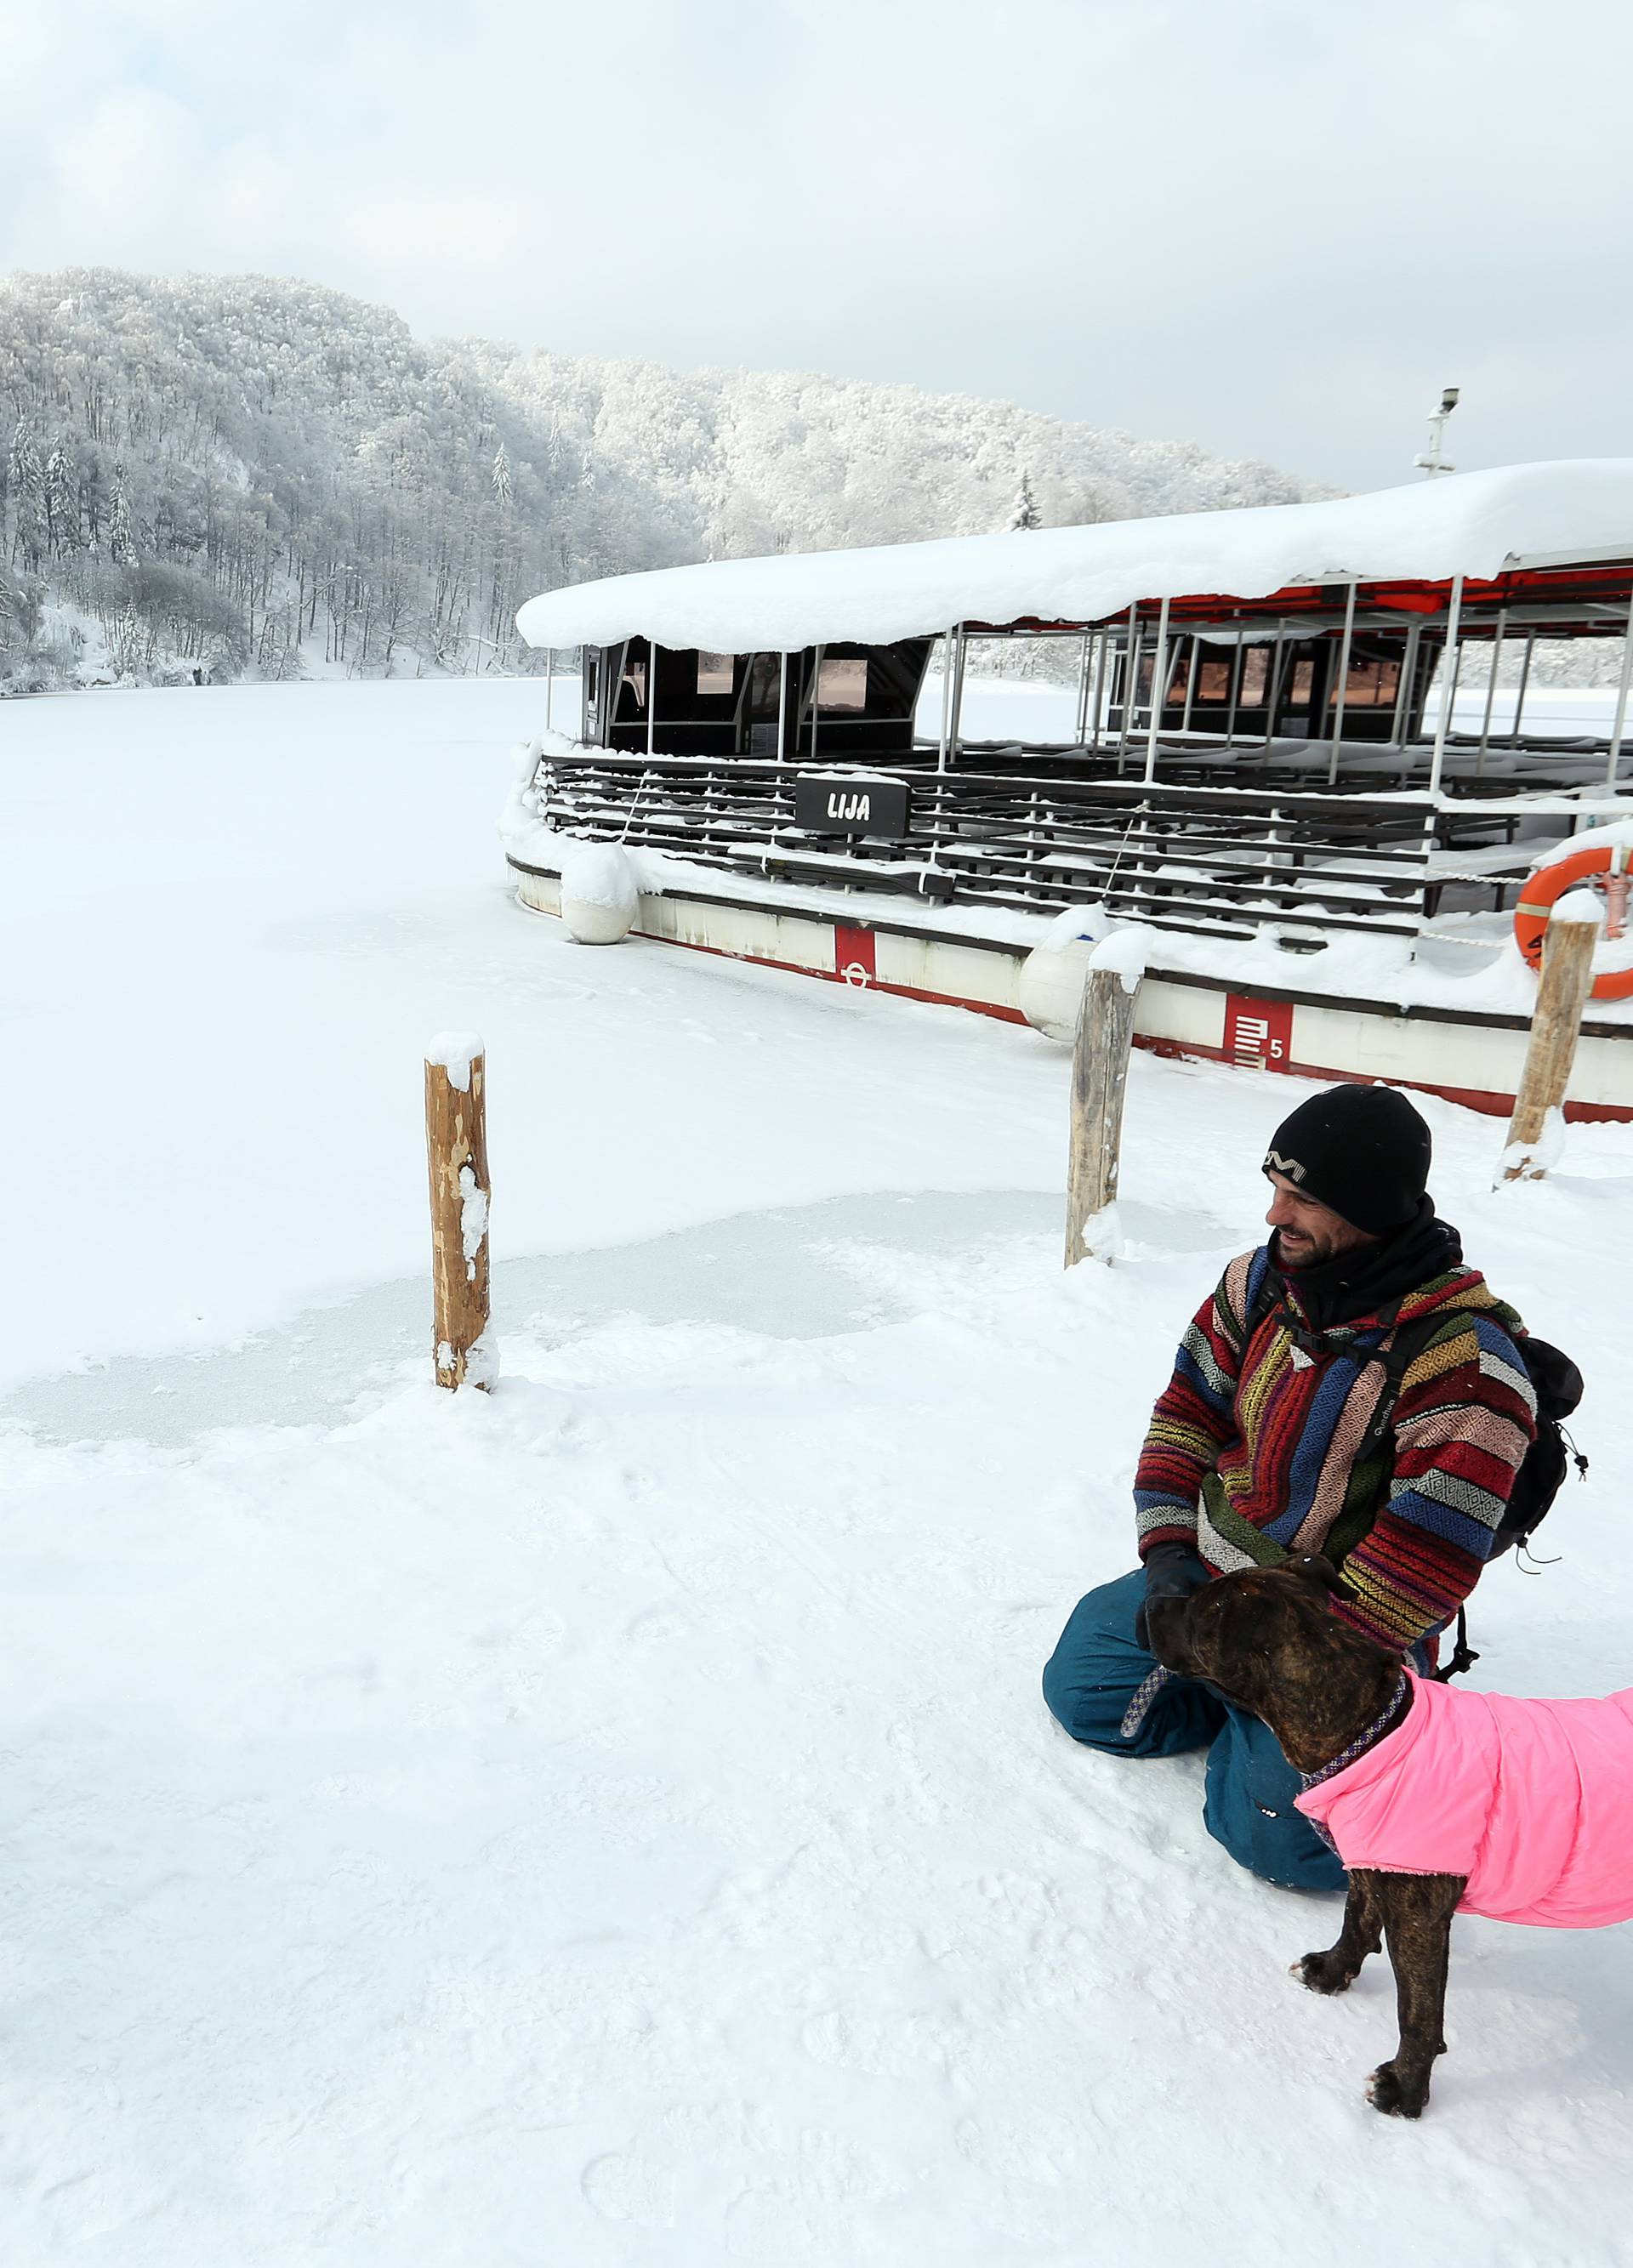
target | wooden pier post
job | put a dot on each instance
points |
(456, 1147)
(1099, 1077)
(1573, 932)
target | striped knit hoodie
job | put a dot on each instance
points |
(1252, 1454)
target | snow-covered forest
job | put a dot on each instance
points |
(240, 476)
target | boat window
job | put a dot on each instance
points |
(714, 673)
(1372, 684)
(842, 684)
(764, 687)
(1303, 682)
(1213, 681)
(1255, 677)
(635, 678)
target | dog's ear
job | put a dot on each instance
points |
(1314, 1569)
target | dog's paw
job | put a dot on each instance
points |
(1388, 2091)
(1323, 1972)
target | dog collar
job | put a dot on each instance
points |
(1362, 1741)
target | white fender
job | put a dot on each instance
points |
(600, 896)
(1051, 982)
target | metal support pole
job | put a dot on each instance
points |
(815, 695)
(958, 693)
(1450, 657)
(1525, 679)
(1082, 693)
(651, 692)
(1131, 678)
(1236, 693)
(1096, 699)
(1343, 684)
(1485, 726)
(1402, 720)
(948, 637)
(1622, 702)
(1190, 683)
(1273, 683)
(1159, 689)
(780, 789)
(549, 681)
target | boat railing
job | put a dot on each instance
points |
(1223, 862)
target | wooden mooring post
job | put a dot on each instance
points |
(456, 1148)
(1099, 1077)
(1567, 978)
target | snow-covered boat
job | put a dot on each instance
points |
(1312, 749)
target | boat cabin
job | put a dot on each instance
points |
(842, 701)
(1299, 719)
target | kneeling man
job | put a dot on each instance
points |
(1263, 1446)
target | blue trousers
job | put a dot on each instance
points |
(1249, 1786)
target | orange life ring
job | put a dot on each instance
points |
(1548, 883)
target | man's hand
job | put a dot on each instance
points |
(1172, 1571)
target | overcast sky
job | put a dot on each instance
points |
(1276, 229)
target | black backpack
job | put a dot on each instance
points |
(1557, 1384)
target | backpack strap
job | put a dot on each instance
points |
(1260, 1304)
(1463, 1655)
(1396, 1359)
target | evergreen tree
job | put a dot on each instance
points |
(500, 478)
(62, 504)
(121, 540)
(1026, 513)
(27, 481)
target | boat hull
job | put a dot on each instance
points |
(1469, 1058)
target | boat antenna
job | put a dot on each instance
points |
(1431, 462)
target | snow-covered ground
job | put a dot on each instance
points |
(615, 1820)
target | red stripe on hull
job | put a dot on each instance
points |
(838, 977)
(1488, 1100)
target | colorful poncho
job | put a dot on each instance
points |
(1256, 1453)
(1532, 1799)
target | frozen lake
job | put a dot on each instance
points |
(615, 1820)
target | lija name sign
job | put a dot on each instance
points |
(830, 806)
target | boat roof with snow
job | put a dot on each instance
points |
(1310, 719)
(1519, 525)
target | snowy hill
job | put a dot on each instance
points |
(244, 476)
(615, 1822)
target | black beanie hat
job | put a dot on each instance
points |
(1363, 1150)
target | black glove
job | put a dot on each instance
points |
(1172, 1571)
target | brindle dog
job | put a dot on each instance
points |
(1268, 1640)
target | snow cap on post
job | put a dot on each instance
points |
(1126, 953)
(454, 1052)
(1579, 905)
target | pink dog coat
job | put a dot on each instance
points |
(1532, 1799)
